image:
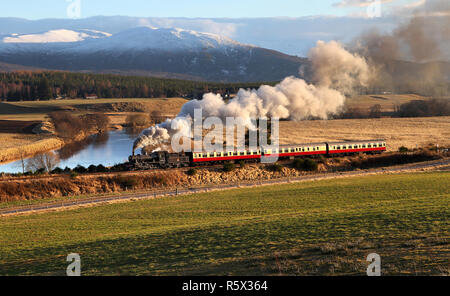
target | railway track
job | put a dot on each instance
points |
(442, 163)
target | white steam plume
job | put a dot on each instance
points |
(336, 72)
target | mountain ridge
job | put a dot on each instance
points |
(146, 49)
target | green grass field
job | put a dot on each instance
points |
(313, 228)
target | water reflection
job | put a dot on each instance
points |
(97, 141)
(134, 131)
(107, 149)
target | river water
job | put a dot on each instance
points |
(107, 149)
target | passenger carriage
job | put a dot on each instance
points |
(351, 147)
(163, 159)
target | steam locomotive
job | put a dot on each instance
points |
(164, 159)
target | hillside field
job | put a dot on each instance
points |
(311, 228)
(387, 102)
(410, 132)
(16, 116)
(37, 110)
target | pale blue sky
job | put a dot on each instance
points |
(176, 8)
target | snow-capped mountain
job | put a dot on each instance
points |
(164, 39)
(50, 41)
(140, 38)
(55, 36)
(169, 52)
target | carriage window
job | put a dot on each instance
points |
(339, 147)
(242, 153)
(205, 155)
(369, 146)
(364, 145)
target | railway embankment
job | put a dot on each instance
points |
(69, 185)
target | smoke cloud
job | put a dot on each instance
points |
(404, 60)
(410, 58)
(336, 73)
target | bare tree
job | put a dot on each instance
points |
(137, 120)
(156, 116)
(22, 160)
(375, 111)
(98, 121)
(66, 125)
(45, 161)
(102, 121)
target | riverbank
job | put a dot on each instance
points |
(17, 140)
(41, 144)
(29, 150)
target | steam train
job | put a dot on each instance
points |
(164, 159)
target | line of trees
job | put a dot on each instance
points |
(69, 126)
(422, 108)
(416, 108)
(31, 86)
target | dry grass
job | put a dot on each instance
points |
(55, 186)
(38, 110)
(409, 132)
(15, 146)
(53, 105)
(388, 103)
(12, 140)
(64, 185)
(11, 144)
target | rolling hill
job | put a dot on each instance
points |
(149, 51)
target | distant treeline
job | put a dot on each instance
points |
(421, 108)
(416, 108)
(31, 86)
